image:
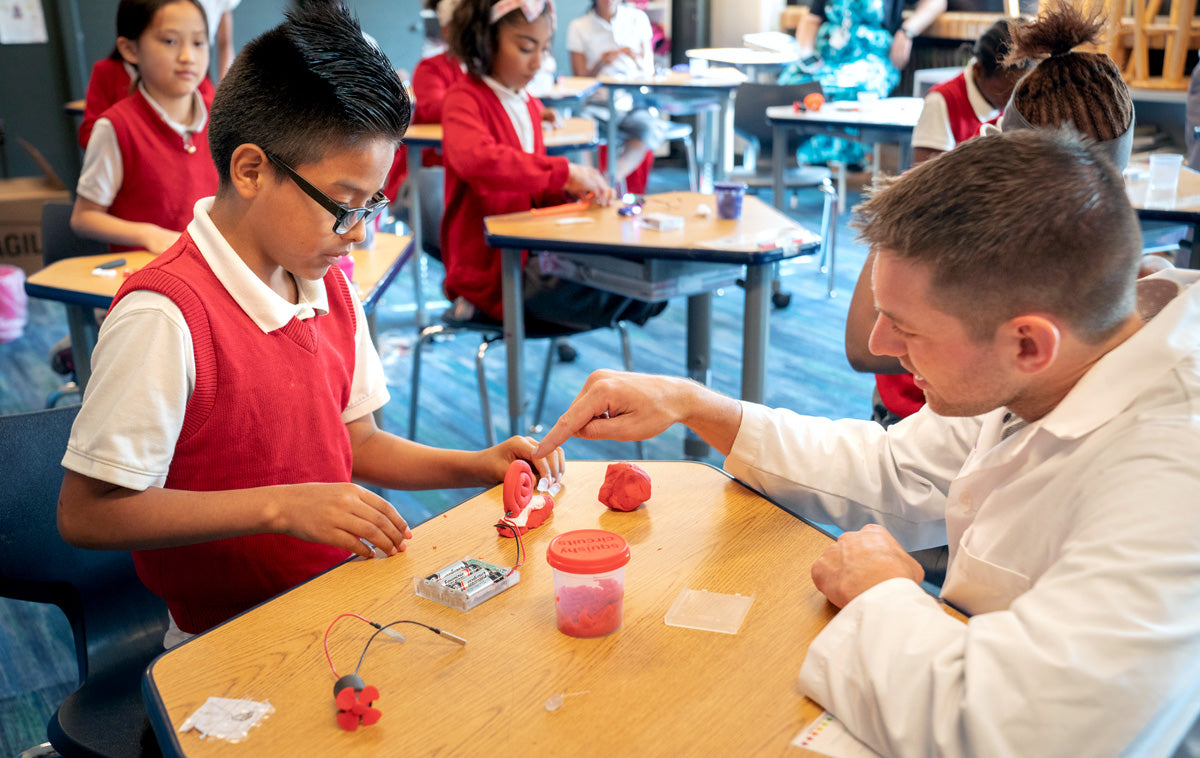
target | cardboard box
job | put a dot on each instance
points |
(21, 201)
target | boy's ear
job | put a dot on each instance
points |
(248, 170)
(128, 50)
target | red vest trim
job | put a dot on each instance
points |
(964, 124)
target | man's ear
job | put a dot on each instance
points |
(248, 170)
(128, 49)
(1035, 341)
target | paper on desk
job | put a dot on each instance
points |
(828, 736)
(763, 239)
(226, 718)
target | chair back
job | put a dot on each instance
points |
(59, 240)
(112, 615)
(750, 109)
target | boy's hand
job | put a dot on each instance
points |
(584, 180)
(341, 515)
(550, 466)
(551, 119)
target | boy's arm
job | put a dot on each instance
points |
(98, 515)
(397, 463)
(92, 220)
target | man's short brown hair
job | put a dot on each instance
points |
(1025, 222)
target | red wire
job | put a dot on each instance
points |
(520, 546)
(329, 628)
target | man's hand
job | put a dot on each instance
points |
(860, 560)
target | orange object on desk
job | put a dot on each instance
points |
(554, 210)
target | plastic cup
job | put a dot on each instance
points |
(697, 66)
(589, 581)
(729, 199)
(1164, 171)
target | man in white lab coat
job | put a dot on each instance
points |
(1058, 455)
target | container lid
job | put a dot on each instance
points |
(588, 551)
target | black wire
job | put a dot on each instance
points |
(379, 628)
(517, 536)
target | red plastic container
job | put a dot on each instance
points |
(589, 581)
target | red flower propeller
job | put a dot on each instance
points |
(354, 707)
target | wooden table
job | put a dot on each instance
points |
(891, 119)
(70, 281)
(651, 689)
(1181, 205)
(574, 134)
(619, 254)
(716, 133)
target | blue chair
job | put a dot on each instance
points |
(118, 624)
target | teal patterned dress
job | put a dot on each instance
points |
(854, 43)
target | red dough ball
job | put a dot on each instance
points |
(625, 487)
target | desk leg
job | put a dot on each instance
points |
(725, 148)
(82, 326)
(754, 333)
(414, 225)
(699, 361)
(613, 149)
(514, 338)
(778, 164)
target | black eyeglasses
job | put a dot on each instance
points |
(345, 217)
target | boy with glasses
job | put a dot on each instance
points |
(235, 379)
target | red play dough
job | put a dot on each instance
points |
(523, 510)
(625, 487)
(590, 611)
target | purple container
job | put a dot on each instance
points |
(729, 199)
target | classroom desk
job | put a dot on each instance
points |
(705, 254)
(717, 129)
(574, 134)
(568, 92)
(651, 689)
(75, 107)
(70, 281)
(891, 119)
(755, 63)
(1182, 205)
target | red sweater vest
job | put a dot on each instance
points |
(487, 173)
(964, 124)
(162, 179)
(266, 410)
(109, 84)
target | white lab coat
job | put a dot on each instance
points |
(1074, 544)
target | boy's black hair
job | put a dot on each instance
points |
(309, 85)
(135, 16)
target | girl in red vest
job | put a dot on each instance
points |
(496, 163)
(147, 162)
(954, 112)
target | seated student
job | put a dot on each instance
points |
(954, 112)
(433, 77)
(230, 408)
(114, 78)
(496, 163)
(615, 39)
(1083, 90)
(147, 162)
(1057, 452)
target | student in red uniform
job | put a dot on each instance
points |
(496, 162)
(433, 77)
(147, 162)
(235, 378)
(954, 112)
(113, 77)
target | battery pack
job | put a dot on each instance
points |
(465, 584)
